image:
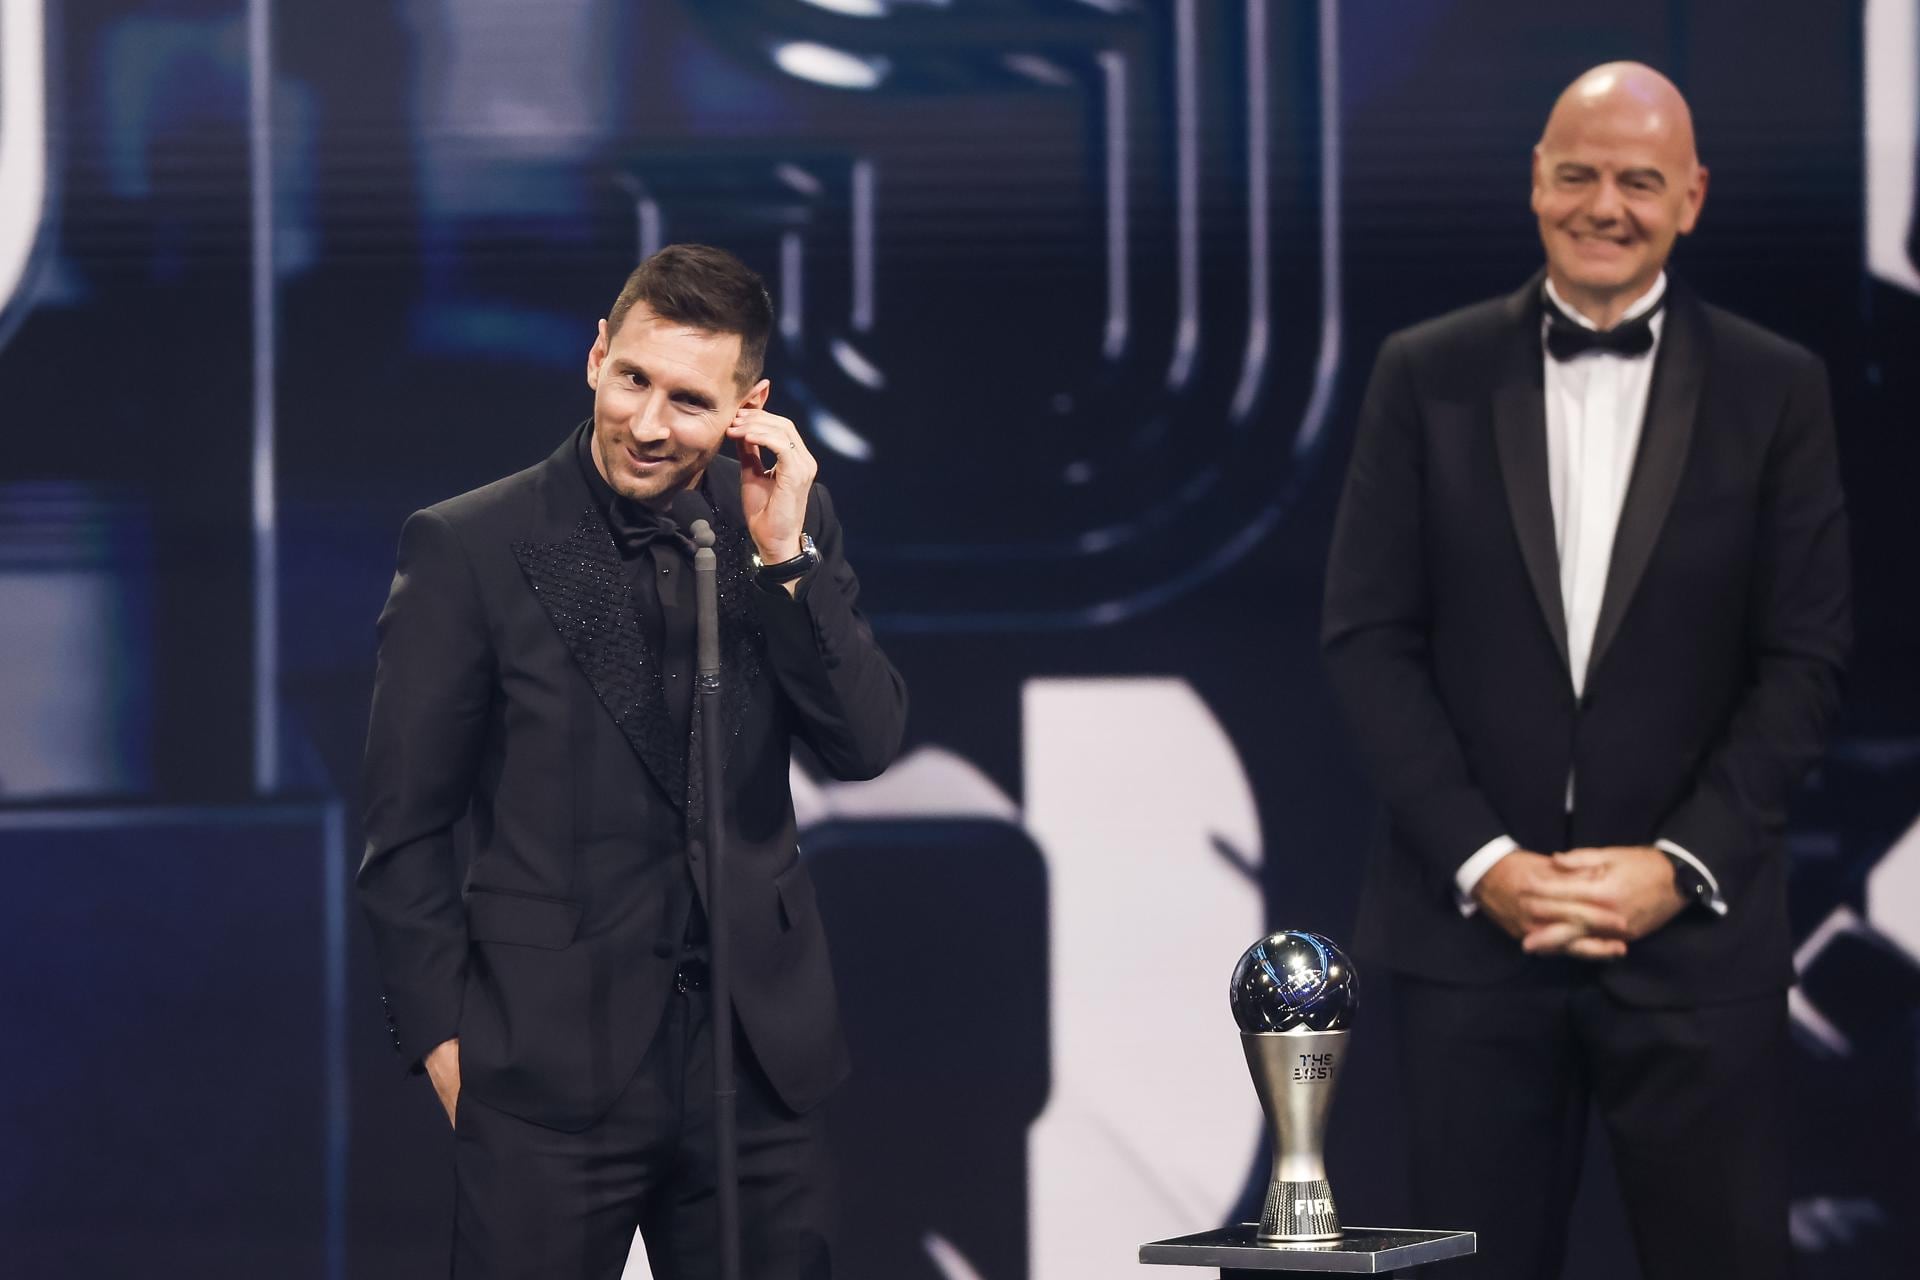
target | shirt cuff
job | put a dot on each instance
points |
(1468, 876)
(1715, 903)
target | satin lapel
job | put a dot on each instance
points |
(583, 585)
(741, 642)
(1665, 437)
(1520, 434)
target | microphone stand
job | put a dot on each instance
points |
(726, 1189)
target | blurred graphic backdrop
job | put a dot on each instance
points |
(1076, 299)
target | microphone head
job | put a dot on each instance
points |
(694, 515)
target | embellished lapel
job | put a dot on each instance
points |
(1665, 438)
(1520, 436)
(583, 585)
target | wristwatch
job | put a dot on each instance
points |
(772, 575)
(1693, 887)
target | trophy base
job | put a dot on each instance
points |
(1299, 1213)
(1239, 1252)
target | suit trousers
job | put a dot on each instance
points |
(536, 1202)
(1691, 1099)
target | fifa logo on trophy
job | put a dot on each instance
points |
(1294, 998)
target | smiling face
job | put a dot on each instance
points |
(664, 394)
(1615, 182)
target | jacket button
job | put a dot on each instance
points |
(696, 851)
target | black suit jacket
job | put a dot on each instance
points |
(517, 692)
(1715, 665)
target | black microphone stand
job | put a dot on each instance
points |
(726, 1190)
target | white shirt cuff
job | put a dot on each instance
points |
(1478, 865)
(1716, 903)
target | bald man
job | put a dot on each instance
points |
(1586, 610)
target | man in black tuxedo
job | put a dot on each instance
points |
(534, 688)
(1587, 609)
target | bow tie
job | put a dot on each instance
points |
(1568, 339)
(635, 528)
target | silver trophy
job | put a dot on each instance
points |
(1294, 998)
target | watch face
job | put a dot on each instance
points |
(1688, 880)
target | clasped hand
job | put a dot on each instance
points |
(1589, 903)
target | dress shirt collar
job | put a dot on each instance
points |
(634, 525)
(1641, 305)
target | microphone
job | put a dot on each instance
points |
(695, 517)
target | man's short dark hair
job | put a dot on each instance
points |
(703, 288)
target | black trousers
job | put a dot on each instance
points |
(535, 1202)
(1692, 1101)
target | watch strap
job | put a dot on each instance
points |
(787, 570)
(1693, 886)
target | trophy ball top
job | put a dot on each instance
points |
(1294, 981)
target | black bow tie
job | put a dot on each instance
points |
(636, 527)
(1568, 339)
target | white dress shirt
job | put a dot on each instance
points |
(1596, 403)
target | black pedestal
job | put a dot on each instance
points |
(1369, 1251)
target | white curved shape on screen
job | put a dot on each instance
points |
(1892, 51)
(1820, 1223)
(1253, 362)
(1326, 369)
(1893, 893)
(1186, 185)
(833, 433)
(835, 68)
(1113, 74)
(1131, 788)
(926, 783)
(862, 247)
(953, 1264)
(23, 138)
(638, 1267)
(1816, 1031)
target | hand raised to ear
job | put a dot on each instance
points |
(773, 495)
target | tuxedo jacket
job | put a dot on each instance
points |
(1715, 665)
(519, 701)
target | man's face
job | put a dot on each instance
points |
(1613, 185)
(663, 398)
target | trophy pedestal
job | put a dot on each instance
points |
(1369, 1251)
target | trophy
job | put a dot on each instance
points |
(1294, 997)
